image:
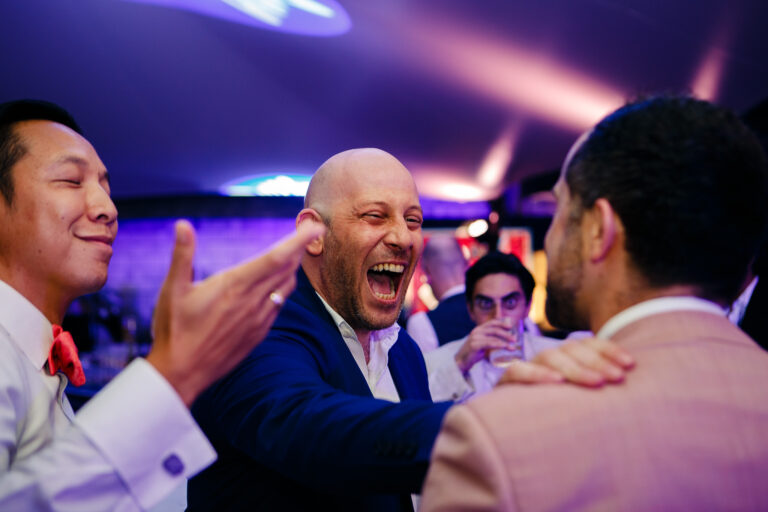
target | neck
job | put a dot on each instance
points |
(364, 337)
(439, 290)
(44, 298)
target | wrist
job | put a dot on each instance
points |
(183, 385)
(462, 365)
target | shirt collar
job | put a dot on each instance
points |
(26, 325)
(654, 307)
(454, 290)
(387, 336)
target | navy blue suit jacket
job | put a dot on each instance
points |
(451, 319)
(296, 428)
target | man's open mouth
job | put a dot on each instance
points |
(384, 280)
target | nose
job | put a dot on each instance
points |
(498, 311)
(100, 205)
(399, 236)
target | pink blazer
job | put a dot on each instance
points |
(687, 430)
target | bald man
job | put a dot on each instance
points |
(444, 265)
(333, 410)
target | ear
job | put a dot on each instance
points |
(315, 247)
(604, 230)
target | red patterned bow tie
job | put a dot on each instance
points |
(63, 357)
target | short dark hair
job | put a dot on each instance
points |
(690, 184)
(496, 262)
(756, 118)
(11, 146)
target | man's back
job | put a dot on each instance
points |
(685, 432)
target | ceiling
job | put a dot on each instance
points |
(473, 96)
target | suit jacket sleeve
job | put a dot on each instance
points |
(466, 474)
(299, 406)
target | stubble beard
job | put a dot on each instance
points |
(563, 285)
(340, 281)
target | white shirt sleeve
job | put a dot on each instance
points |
(446, 382)
(420, 328)
(129, 446)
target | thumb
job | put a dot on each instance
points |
(180, 272)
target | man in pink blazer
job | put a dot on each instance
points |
(660, 208)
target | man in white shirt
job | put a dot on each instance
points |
(135, 441)
(498, 298)
(660, 209)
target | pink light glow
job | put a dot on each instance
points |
(446, 183)
(514, 76)
(498, 158)
(709, 76)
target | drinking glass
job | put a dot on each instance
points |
(503, 357)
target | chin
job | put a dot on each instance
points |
(92, 283)
(384, 319)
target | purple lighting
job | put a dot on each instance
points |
(307, 17)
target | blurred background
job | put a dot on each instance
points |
(220, 110)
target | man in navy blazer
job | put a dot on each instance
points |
(333, 409)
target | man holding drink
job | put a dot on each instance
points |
(498, 295)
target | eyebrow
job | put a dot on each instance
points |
(71, 159)
(507, 296)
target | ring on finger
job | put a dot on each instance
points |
(276, 298)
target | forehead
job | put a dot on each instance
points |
(47, 143)
(379, 180)
(497, 286)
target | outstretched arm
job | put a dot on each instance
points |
(135, 441)
(202, 330)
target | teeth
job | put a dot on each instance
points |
(385, 296)
(388, 267)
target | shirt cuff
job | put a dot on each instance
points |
(447, 382)
(142, 427)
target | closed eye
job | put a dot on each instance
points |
(414, 220)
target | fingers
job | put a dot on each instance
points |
(280, 260)
(612, 352)
(582, 362)
(180, 271)
(293, 245)
(522, 372)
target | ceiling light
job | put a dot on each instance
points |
(307, 17)
(282, 185)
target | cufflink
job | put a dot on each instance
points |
(173, 464)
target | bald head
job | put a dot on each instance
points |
(362, 265)
(443, 263)
(340, 174)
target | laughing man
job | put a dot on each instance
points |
(334, 409)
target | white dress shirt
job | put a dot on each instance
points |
(129, 446)
(375, 371)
